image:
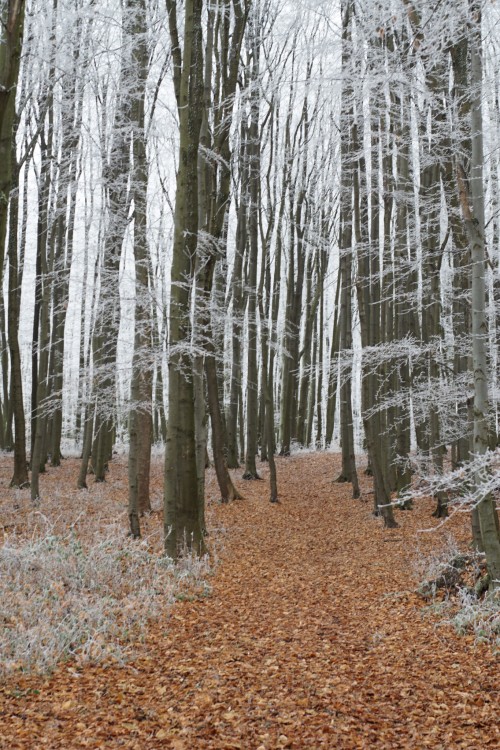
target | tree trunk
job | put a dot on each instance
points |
(182, 513)
(11, 40)
(20, 475)
(253, 252)
(472, 205)
(136, 54)
(348, 472)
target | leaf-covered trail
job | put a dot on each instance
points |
(312, 638)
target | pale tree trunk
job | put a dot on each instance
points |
(115, 177)
(141, 389)
(6, 437)
(305, 355)
(20, 475)
(320, 334)
(73, 84)
(83, 387)
(237, 313)
(471, 192)
(332, 392)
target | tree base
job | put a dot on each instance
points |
(441, 512)
(249, 476)
(390, 523)
(19, 484)
(342, 479)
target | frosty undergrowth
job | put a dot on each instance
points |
(480, 617)
(466, 612)
(60, 598)
(431, 566)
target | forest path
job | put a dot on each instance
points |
(312, 638)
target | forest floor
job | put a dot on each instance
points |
(312, 637)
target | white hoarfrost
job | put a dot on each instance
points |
(62, 598)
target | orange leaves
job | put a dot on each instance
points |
(312, 638)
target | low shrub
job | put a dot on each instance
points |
(462, 580)
(64, 598)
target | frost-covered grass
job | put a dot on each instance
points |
(64, 598)
(432, 566)
(456, 574)
(479, 617)
(73, 585)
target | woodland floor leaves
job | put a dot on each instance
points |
(312, 637)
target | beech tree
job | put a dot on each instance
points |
(11, 38)
(141, 388)
(182, 513)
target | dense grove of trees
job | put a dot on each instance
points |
(246, 225)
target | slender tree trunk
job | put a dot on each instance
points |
(331, 402)
(11, 39)
(348, 472)
(141, 389)
(237, 316)
(20, 475)
(254, 180)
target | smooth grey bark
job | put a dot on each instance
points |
(471, 193)
(331, 402)
(182, 525)
(348, 472)
(295, 191)
(253, 151)
(366, 232)
(214, 201)
(68, 174)
(104, 340)
(20, 474)
(201, 432)
(141, 388)
(403, 190)
(237, 311)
